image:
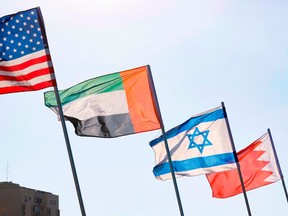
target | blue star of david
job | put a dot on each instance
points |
(200, 146)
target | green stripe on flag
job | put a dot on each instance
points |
(98, 85)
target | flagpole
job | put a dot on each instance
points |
(151, 83)
(69, 151)
(41, 23)
(237, 162)
(278, 164)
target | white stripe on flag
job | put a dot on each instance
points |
(105, 104)
(25, 58)
(218, 136)
(266, 146)
(27, 70)
(32, 82)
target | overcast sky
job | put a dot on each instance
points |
(201, 53)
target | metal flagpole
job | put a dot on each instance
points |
(165, 141)
(278, 164)
(69, 151)
(237, 162)
(63, 122)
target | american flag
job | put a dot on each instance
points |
(25, 61)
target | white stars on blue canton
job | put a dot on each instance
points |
(20, 35)
(200, 146)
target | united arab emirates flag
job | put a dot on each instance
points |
(108, 106)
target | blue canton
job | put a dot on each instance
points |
(200, 146)
(20, 34)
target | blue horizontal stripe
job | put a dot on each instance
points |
(190, 123)
(195, 163)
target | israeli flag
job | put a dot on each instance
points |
(198, 146)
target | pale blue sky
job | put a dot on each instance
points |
(200, 52)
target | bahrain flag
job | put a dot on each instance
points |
(258, 167)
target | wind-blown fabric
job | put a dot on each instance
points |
(25, 61)
(198, 146)
(108, 106)
(258, 168)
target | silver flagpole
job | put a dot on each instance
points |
(63, 122)
(237, 162)
(278, 164)
(151, 83)
(69, 150)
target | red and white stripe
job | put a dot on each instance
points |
(28, 73)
